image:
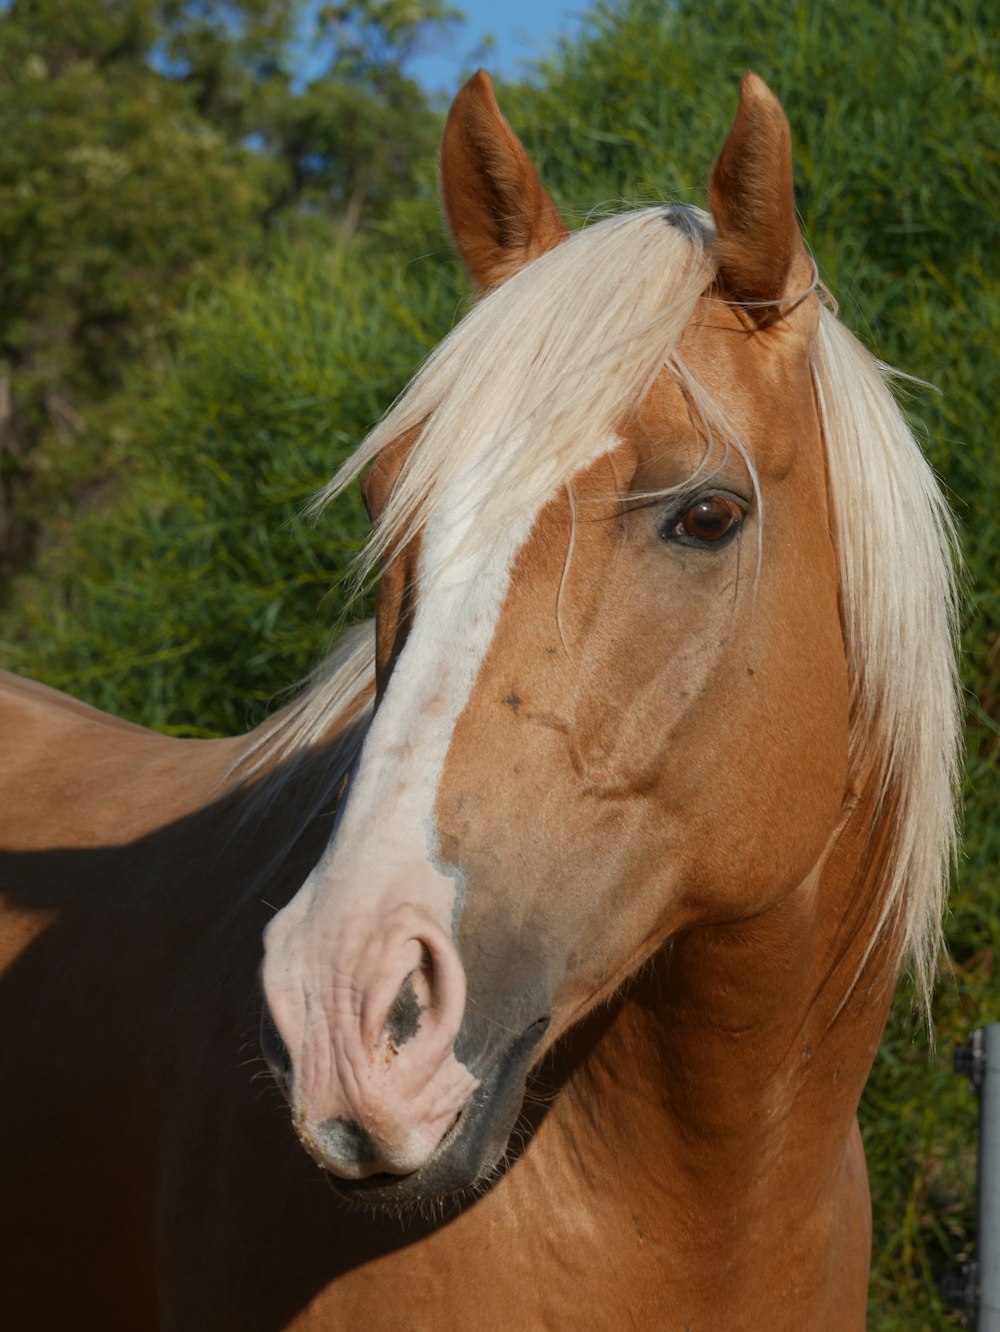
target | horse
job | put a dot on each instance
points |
(567, 899)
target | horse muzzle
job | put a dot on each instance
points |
(377, 1160)
(473, 1148)
(367, 1032)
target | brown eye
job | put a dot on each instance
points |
(709, 521)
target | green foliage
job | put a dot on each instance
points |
(197, 596)
(110, 190)
(152, 144)
(194, 593)
(356, 137)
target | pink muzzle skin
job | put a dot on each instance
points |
(368, 1007)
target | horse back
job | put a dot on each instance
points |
(73, 776)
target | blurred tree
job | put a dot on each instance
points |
(200, 591)
(358, 134)
(152, 144)
(113, 194)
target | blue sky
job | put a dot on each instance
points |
(522, 31)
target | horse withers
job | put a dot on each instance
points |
(584, 875)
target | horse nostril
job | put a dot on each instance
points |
(275, 1051)
(403, 1019)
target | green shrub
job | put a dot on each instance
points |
(200, 591)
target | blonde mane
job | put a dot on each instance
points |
(541, 372)
(898, 557)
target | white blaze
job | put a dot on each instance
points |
(338, 953)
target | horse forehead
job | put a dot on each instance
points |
(759, 379)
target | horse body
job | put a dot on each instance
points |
(565, 1233)
(607, 804)
(177, 1198)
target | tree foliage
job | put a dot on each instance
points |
(357, 136)
(201, 594)
(151, 145)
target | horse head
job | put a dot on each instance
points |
(614, 698)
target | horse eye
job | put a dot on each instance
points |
(708, 521)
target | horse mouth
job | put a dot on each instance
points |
(472, 1152)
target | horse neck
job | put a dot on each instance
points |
(750, 1043)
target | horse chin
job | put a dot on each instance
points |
(471, 1154)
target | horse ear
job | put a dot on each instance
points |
(761, 254)
(496, 207)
